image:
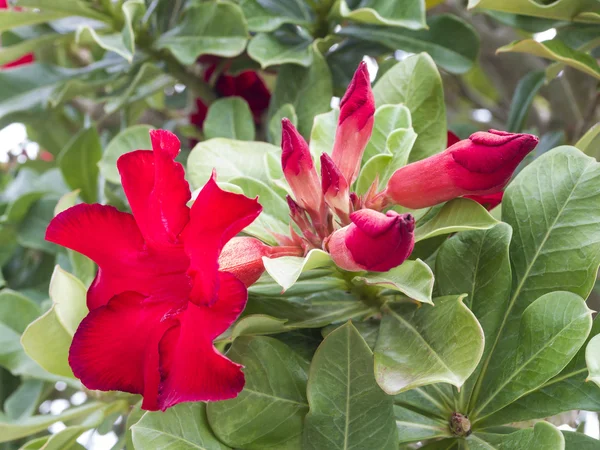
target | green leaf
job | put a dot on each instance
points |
(78, 163)
(413, 426)
(112, 42)
(412, 278)
(387, 119)
(420, 345)
(416, 83)
(16, 430)
(553, 329)
(133, 10)
(24, 402)
(15, 51)
(408, 13)
(590, 142)
(269, 51)
(64, 8)
(322, 135)
(579, 441)
(229, 118)
(128, 140)
(556, 243)
(287, 269)
(592, 357)
(556, 50)
(543, 436)
(67, 439)
(270, 410)
(231, 158)
(47, 339)
(525, 92)
(460, 214)
(268, 15)
(456, 55)
(308, 90)
(347, 408)
(286, 111)
(32, 230)
(207, 28)
(182, 427)
(254, 325)
(558, 9)
(11, 18)
(477, 263)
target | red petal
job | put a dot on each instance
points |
(192, 369)
(451, 139)
(216, 217)
(116, 347)
(156, 188)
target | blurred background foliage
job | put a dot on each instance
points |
(84, 80)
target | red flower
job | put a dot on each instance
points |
(335, 187)
(480, 165)
(247, 85)
(451, 139)
(373, 241)
(489, 201)
(355, 124)
(159, 299)
(25, 59)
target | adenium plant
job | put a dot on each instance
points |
(247, 225)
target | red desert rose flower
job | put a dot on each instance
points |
(159, 299)
(489, 201)
(373, 241)
(480, 165)
(25, 59)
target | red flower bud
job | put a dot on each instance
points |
(451, 139)
(480, 165)
(374, 241)
(242, 256)
(489, 201)
(300, 172)
(355, 124)
(335, 187)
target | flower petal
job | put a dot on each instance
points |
(156, 188)
(116, 347)
(215, 218)
(192, 369)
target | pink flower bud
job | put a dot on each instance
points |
(355, 124)
(489, 201)
(335, 187)
(374, 241)
(480, 165)
(300, 172)
(242, 256)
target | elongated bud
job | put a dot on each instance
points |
(242, 256)
(489, 201)
(480, 165)
(355, 124)
(335, 188)
(374, 241)
(299, 170)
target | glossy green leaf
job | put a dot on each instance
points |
(477, 263)
(269, 51)
(287, 269)
(416, 83)
(268, 15)
(408, 13)
(579, 441)
(78, 163)
(32, 230)
(309, 90)
(387, 119)
(182, 427)
(254, 325)
(347, 408)
(456, 55)
(590, 142)
(413, 426)
(270, 410)
(229, 118)
(128, 140)
(592, 357)
(216, 28)
(553, 329)
(231, 158)
(322, 135)
(460, 214)
(556, 50)
(112, 42)
(556, 243)
(314, 310)
(47, 339)
(420, 345)
(543, 436)
(286, 111)
(412, 278)
(525, 92)
(558, 9)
